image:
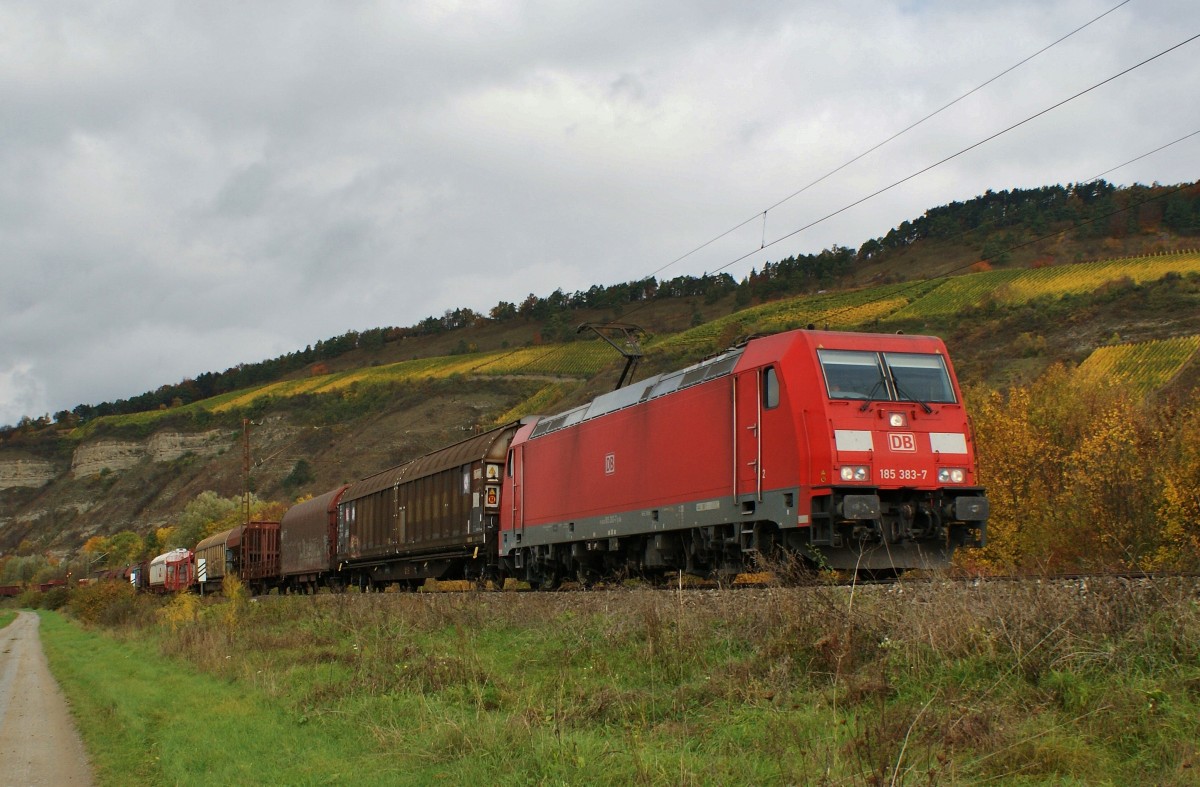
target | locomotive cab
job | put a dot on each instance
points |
(900, 477)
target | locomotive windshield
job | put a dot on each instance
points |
(902, 377)
(853, 375)
(919, 378)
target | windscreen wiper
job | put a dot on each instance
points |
(871, 395)
(903, 393)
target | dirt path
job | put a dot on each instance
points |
(38, 741)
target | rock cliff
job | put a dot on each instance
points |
(113, 455)
(32, 473)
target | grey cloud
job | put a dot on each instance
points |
(188, 186)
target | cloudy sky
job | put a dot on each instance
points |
(185, 186)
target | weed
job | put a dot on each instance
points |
(182, 610)
(922, 682)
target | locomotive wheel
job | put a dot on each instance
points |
(492, 576)
(725, 577)
(656, 579)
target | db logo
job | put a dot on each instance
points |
(610, 464)
(902, 441)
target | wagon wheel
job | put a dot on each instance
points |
(586, 577)
(724, 577)
(489, 575)
(656, 579)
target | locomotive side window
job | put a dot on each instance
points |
(853, 375)
(920, 378)
(770, 388)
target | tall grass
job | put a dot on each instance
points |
(924, 682)
(146, 719)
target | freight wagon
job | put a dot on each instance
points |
(169, 572)
(435, 517)
(249, 552)
(307, 557)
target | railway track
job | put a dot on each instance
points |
(766, 580)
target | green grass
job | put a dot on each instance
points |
(1030, 683)
(147, 719)
(6, 617)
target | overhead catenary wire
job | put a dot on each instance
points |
(765, 244)
(959, 267)
(1144, 155)
(953, 156)
(1033, 241)
(878, 145)
(967, 149)
(1075, 225)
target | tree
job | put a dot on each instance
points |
(124, 548)
(198, 516)
(96, 547)
(503, 311)
(301, 474)
(1179, 506)
(1083, 473)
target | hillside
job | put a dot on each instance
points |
(352, 407)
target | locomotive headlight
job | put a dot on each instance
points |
(897, 420)
(951, 475)
(856, 473)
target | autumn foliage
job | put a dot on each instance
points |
(1083, 475)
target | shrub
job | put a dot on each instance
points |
(238, 598)
(182, 609)
(1029, 345)
(301, 474)
(106, 603)
(54, 598)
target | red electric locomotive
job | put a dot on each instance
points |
(852, 450)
